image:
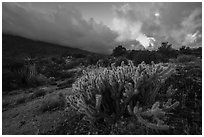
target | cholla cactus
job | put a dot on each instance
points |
(105, 93)
(155, 112)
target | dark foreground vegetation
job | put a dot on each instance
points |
(121, 93)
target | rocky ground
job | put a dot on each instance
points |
(26, 111)
(26, 117)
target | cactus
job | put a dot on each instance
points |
(108, 93)
(155, 112)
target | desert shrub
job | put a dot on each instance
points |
(148, 57)
(16, 65)
(8, 79)
(42, 79)
(141, 56)
(78, 55)
(26, 76)
(38, 93)
(71, 81)
(66, 84)
(5, 103)
(21, 99)
(119, 51)
(52, 71)
(106, 62)
(67, 74)
(119, 60)
(18, 75)
(73, 64)
(108, 94)
(58, 60)
(185, 58)
(52, 104)
(92, 60)
(36, 80)
(103, 62)
(166, 50)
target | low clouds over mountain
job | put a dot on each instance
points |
(145, 23)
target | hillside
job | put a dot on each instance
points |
(15, 47)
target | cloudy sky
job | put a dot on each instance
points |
(99, 27)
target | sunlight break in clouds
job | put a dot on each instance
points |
(157, 14)
(188, 32)
(177, 23)
(146, 41)
(135, 25)
(128, 28)
(191, 38)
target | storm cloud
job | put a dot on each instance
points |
(152, 23)
(190, 28)
(100, 27)
(60, 25)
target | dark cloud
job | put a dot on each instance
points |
(60, 25)
(133, 24)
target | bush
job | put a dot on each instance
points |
(185, 58)
(26, 76)
(21, 99)
(93, 59)
(67, 74)
(53, 104)
(38, 93)
(8, 79)
(5, 104)
(36, 80)
(148, 57)
(167, 50)
(119, 60)
(78, 55)
(66, 84)
(105, 62)
(119, 51)
(73, 64)
(107, 94)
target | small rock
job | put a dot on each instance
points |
(22, 123)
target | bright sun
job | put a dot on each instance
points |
(157, 14)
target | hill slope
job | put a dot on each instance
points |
(15, 47)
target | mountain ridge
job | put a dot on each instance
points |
(17, 47)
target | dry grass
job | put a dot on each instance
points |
(21, 99)
(53, 103)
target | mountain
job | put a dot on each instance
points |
(16, 47)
